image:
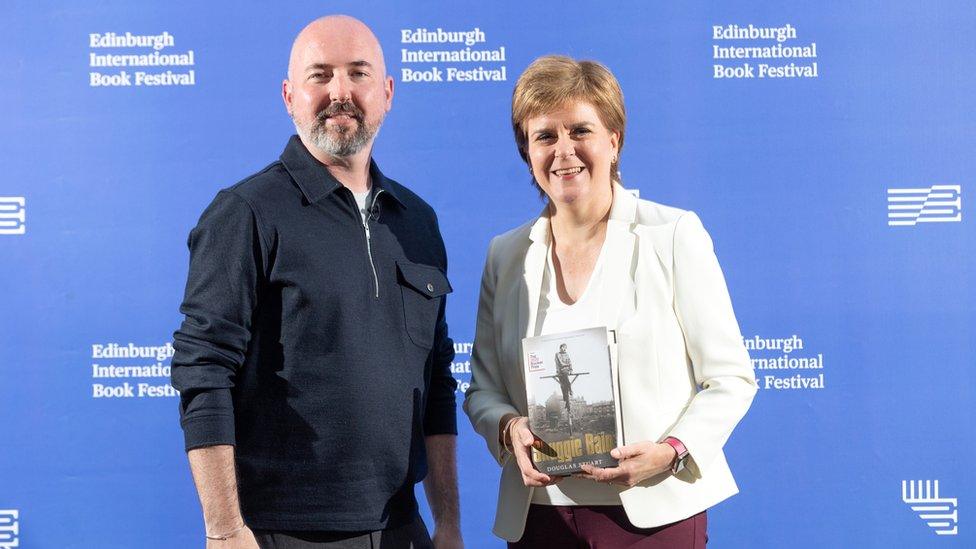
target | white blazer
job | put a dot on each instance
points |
(683, 369)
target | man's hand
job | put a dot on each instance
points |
(522, 441)
(637, 462)
(242, 539)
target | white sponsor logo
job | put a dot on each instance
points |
(117, 362)
(138, 51)
(12, 215)
(779, 365)
(438, 56)
(774, 58)
(935, 204)
(9, 528)
(462, 368)
(941, 514)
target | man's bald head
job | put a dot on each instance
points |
(335, 31)
(337, 91)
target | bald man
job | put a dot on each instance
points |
(313, 363)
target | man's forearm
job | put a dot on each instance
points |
(216, 480)
(441, 482)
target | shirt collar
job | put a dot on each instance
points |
(315, 181)
(623, 210)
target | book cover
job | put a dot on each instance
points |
(569, 381)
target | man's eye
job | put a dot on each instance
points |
(360, 74)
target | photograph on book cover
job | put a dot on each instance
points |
(571, 401)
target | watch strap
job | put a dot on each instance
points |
(681, 458)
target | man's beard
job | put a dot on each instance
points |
(339, 141)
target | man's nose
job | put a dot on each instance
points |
(339, 89)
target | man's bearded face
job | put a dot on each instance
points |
(339, 130)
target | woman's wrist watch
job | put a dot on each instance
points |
(681, 458)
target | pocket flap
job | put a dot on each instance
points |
(427, 280)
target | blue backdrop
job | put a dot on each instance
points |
(835, 195)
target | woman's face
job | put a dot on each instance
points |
(570, 151)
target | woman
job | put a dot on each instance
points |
(598, 256)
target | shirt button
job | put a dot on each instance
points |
(430, 287)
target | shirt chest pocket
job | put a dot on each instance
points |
(422, 288)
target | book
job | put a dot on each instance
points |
(573, 399)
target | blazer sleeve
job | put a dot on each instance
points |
(714, 344)
(486, 401)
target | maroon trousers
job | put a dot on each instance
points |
(605, 527)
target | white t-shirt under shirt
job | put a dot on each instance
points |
(362, 200)
(555, 316)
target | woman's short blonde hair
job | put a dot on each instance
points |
(551, 82)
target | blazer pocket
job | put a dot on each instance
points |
(422, 288)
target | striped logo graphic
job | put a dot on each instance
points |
(936, 204)
(941, 514)
(12, 215)
(9, 528)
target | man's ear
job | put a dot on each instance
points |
(286, 93)
(388, 89)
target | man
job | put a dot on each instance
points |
(564, 369)
(314, 355)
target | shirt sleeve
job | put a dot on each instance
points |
(440, 416)
(227, 258)
(440, 412)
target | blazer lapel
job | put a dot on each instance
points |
(617, 289)
(618, 292)
(528, 305)
(535, 265)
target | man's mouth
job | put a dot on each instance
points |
(568, 171)
(341, 112)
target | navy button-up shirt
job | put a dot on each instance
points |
(315, 346)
